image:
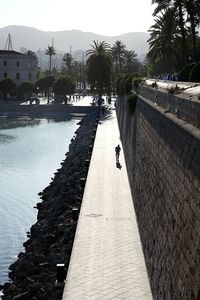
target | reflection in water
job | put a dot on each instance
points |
(15, 123)
(30, 152)
(6, 138)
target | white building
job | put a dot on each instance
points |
(17, 66)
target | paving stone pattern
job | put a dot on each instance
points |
(107, 261)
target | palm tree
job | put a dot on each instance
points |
(50, 51)
(163, 41)
(99, 64)
(130, 61)
(67, 58)
(118, 51)
(193, 10)
(33, 55)
(163, 5)
(181, 22)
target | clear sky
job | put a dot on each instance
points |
(106, 17)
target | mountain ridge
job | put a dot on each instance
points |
(34, 39)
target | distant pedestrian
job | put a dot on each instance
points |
(103, 110)
(66, 99)
(109, 100)
(100, 101)
(117, 152)
(94, 100)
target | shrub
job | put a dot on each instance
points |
(154, 85)
(184, 74)
(135, 83)
(174, 90)
(195, 73)
(119, 85)
(132, 101)
(128, 83)
(136, 75)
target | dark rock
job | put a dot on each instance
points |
(50, 239)
(42, 294)
(44, 264)
(28, 281)
(23, 296)
(21, 255)
(39, 205)
(34, 287)
(12, 287)
(6, 286)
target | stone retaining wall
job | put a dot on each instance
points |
(184, 108)
(163, 161)
(44, 110)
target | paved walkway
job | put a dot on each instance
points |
(107, 260)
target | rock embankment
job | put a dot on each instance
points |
(33, 275)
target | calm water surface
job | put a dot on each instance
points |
(30, 152)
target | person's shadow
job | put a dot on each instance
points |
(118, 165)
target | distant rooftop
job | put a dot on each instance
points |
(9, 52)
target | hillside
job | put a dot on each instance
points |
(33, 39)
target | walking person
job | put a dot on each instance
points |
(117, 152)
(103, 110)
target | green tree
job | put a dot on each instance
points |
(193, 10)
(39, 73)
(131, 63)
(178, 6)
(25, 90)
(64, 85)
(7, 86)
(67, 58)
(33, 55)
(118, 51)
(99, 66)
(49, 81)
(184, 74)
(163, 42)
(188, 13)
(40, 85)
(195, 73)
(50, 51)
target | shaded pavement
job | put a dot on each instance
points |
(107, 260)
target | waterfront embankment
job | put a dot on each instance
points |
(12, 109)
(33, 275)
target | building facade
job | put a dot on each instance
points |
(17, 66)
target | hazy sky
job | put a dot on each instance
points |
(106, 17)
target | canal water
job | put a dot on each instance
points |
(30, 153)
